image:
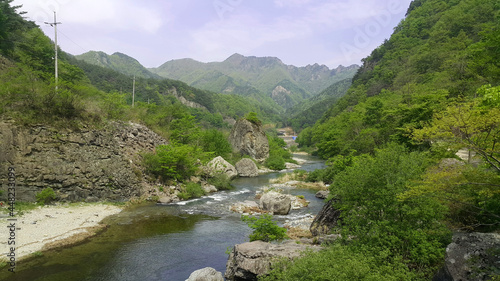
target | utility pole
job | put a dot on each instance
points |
(54, 24)
(133, 92)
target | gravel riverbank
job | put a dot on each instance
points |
(54, 226)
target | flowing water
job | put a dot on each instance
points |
(161, 242)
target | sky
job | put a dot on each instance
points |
(299, 32)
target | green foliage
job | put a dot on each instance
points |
(278, 155)
(338, 262)
(46, 196)
(373, 212)
(335, 165)
(191, 190)
(221, 182)
(442, 50)
(265, 229)
(252, 117)
(275, 162)
(174, 162)
(215, 141)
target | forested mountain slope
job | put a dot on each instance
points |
(396, 183)
(287, 85)
(119, 62)
(442, 51)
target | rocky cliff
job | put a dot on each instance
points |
(249, 139)
(80, 165)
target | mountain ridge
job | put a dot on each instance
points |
(266, 74)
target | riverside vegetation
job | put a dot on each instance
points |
(428, 91)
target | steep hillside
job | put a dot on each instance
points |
(119, 62)
(442, 51)
(287, 85)
(311, 110)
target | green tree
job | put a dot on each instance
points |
(265, 229)
(174, 162)
(372, 212)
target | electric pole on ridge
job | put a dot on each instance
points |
(54, 24)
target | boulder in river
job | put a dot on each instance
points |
(249, 139)
(247, 168)
(250, 260)
(220, 166)
(206, 274)
(276, 203)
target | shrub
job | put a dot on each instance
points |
(173, 162)
(275, 162)
(252, 117)
(221, 182)
(191, 190)
(46, 196)
(265, 228)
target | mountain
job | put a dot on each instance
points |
(119, 62)
(287, 85)
(442, 53)
(306, 113)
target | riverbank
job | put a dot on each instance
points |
(50, 227)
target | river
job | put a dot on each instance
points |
(161, 242)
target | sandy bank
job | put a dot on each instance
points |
(53, 226)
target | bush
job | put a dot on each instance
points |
(252, 117)
(221, 182)
(340, 263)
(265, 228)
(46, 196)
(191, 190)
(173, 162)
(275, 162)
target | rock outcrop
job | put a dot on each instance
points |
(249, 260)
(220, 166)
(322, 194)
(249, 139)
(206, 274)
(247, 168)
(326, 219)
(80, 165)
(275, 203)
(471, 256)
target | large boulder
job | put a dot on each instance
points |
(249, 139)
(471, 256)
(220, 166)
(206, 274)
(247, 168)
(326, 219)
(275, 203)
(249, 260)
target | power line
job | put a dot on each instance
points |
(54, 24)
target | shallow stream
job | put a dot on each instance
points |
(162, 242)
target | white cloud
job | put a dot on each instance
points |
(106, 14)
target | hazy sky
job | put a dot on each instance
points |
(299, 32)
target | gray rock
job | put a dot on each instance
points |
(275, 203)
(249, 139)
(208, 188)
(247, 168)
(249, 260)
(206, 274)
(220, 166)
(326, 219)
(80, 165)
(471, 256)
(322, 194)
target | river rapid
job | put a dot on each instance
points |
(162, 242)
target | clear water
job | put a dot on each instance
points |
(161, 242)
